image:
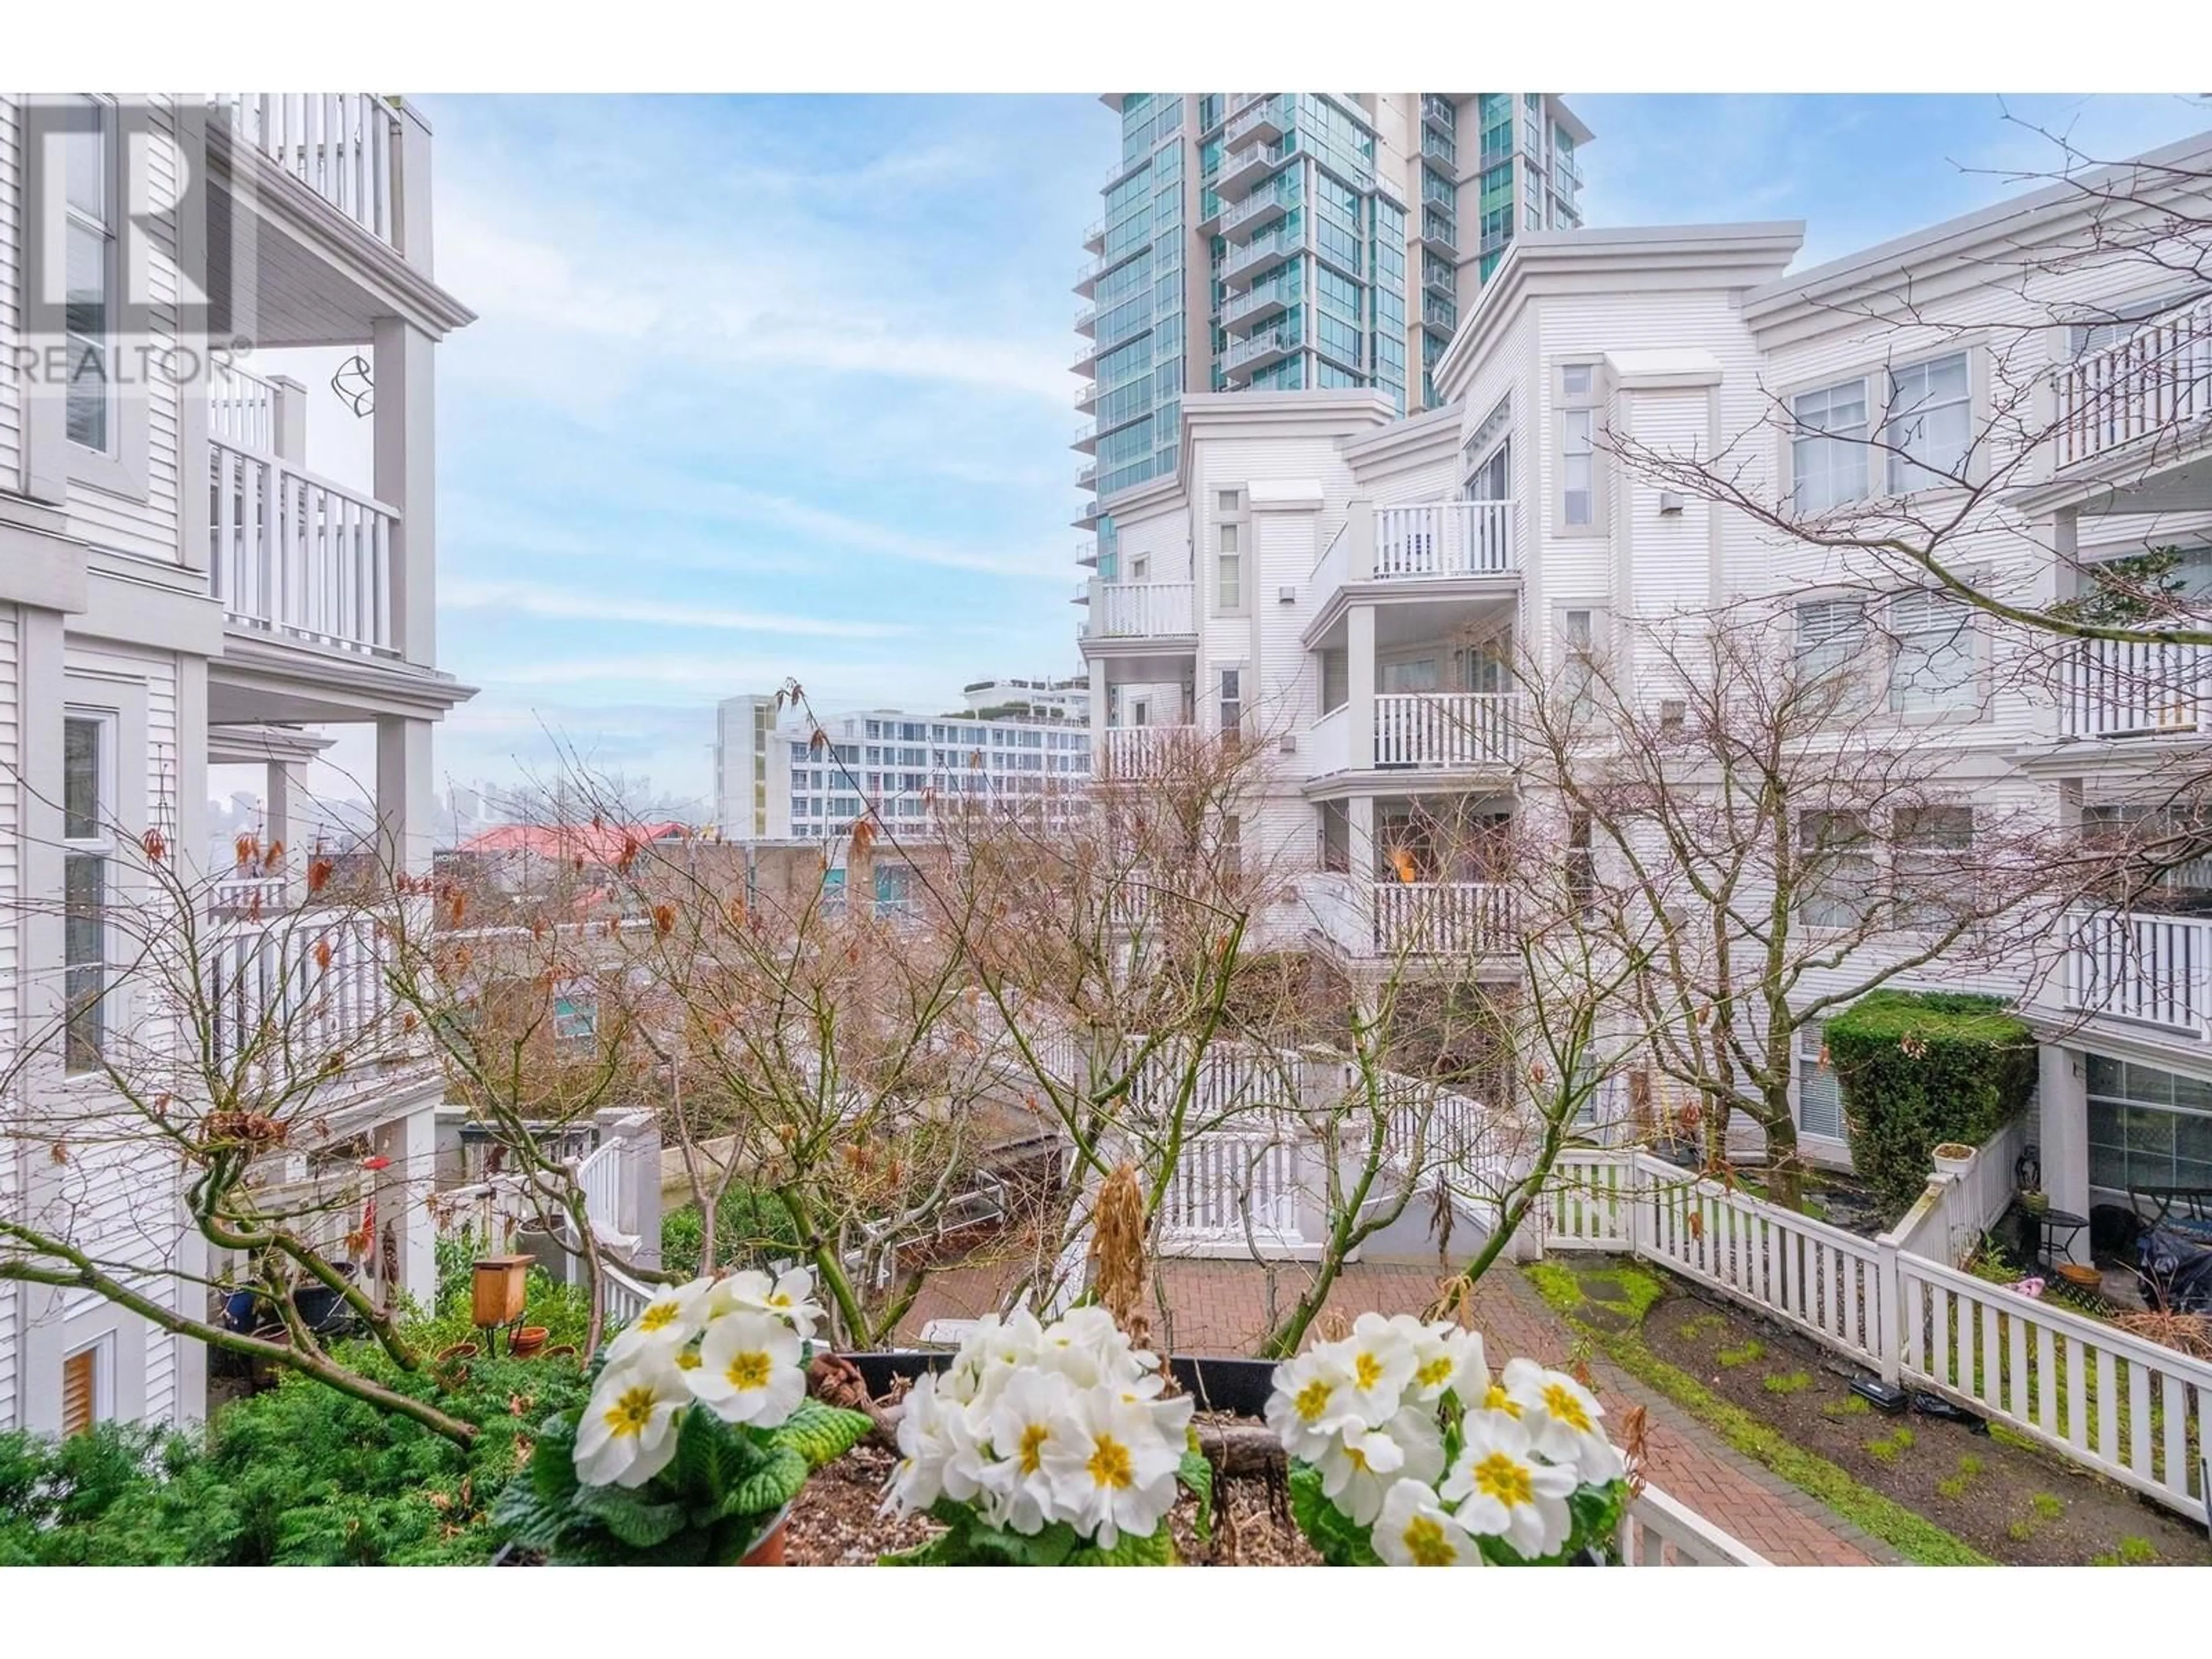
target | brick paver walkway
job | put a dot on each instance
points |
(1221, 1307)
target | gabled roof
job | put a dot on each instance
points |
(594, 843)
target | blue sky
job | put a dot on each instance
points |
(778, 387)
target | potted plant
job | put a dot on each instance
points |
(1951, 1158)
(1047, 1445)
(696, 1436)
(1403, 1451)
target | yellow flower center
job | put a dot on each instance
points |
(1110, 1463)
(631, 1412)
(1508, 1481)
(749, 1370)
(688, 1360)
(1313, 1398)
(1426, 1543)
(1499, 1401)
(778, 1299)
(1368, 1370)
(1031, 1456)
(1434, 1372)
(658, 1317)
(1356, 1458)
(1560, 1403)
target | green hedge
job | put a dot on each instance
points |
(1921, 1067)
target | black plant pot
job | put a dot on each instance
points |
(1239, 1386)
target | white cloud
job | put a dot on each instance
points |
(534, 599)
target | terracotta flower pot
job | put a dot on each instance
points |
(769, 1553)
(458, 1351)
(525, 1342)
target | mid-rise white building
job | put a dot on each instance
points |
(1352, 589)
(177, 590)
(773, 781)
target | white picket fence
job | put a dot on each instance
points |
(1231, 1192)
(1659, 1532)
(2125, 1408)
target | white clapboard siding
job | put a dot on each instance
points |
(11, 1299)
(11, 213)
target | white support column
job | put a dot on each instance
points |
(406, 479)
(404, 809)
(1359, 541)
(285, 794)
(2063, 1147)
(1359, 684)
(402, 1200)
(1360, 820)
(410, 175)
(289, 419)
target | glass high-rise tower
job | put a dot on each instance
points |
(1288, 241)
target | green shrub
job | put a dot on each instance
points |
(298, 1474)
(1919, 1068)
(752, 1228)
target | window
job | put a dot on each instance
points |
(1232, 702)
(1417, 674)
(1335, 680)
(1934, 668)
(2147, 1128)
(1828, 447)
(1578, 426)
(1838, 866)
(1931, 424)
(1229, 588)
(1580, 862)
(1831, 635)
(89, 270)
(576, 1017)
(1925, 863)
(1820, 1098)
(88, 1388)
(1580, 642)
(88, 758)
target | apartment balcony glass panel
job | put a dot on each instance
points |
(1243, 169)
(1438, 114)
(1438, 233)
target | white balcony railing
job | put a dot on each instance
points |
(1137, 753)
(1234, 1189)
(1444, 538)
(1441, 918)
(345, 145)
(1328, 742)
(2157, 380)
(1442, 730)
(2144, 967)
(293, 988)
(241, 408)
(1269, 343)
(2133, 688)
(1140, 610)
(298, 556)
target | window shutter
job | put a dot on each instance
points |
(80, 1391)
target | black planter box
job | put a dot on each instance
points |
(1239, 1386)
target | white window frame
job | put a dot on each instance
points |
(1812, 1043)
(1820, 904)
(103, 1350)
(107, 226)
(99, 845)
(1802, 440)
(1232, 702)
(1902, 429)
(1828, 633)
(1232, 560)
(1575, 418)
(1924, 626)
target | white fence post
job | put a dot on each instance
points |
(1890, 1313)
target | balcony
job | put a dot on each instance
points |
(2151, 969)
(1252, 214)
(1440, 918)
(1444, 539)
(2134, 688)
(1095, 237)
(1438, 114)
(1087, 437)
(289, 985)
(291, 555)
(1086, 321)
(2153, 384)
(1270, 345)
(1261, 120)
(1245, 168)
(1086, 359)
(1438, 233)
(345, 145)
(1440, 315)
(1444, 731)
(1087, 477)
(1249, 311)
(1141, 610)
(1259, 254)
(1128, 754)
(1086, 396)
(1440, 278)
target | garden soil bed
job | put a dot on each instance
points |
(2014, 1504)
(834, 1521)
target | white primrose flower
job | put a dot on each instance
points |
(664, 1324)
(990, 1354)
(749, 1370)
(1380, 1361)
(1087, 1348)
(1445, 1357)
(1562, 1417)
(1361, 1464)
(1034, 1414)
(1113, 1471)
(788, 1295)
(1504, 1491)
(1313, 1401)
(626, 1434)
(938, 1455)
(1414, 1530)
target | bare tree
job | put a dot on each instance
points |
(1764, 843)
